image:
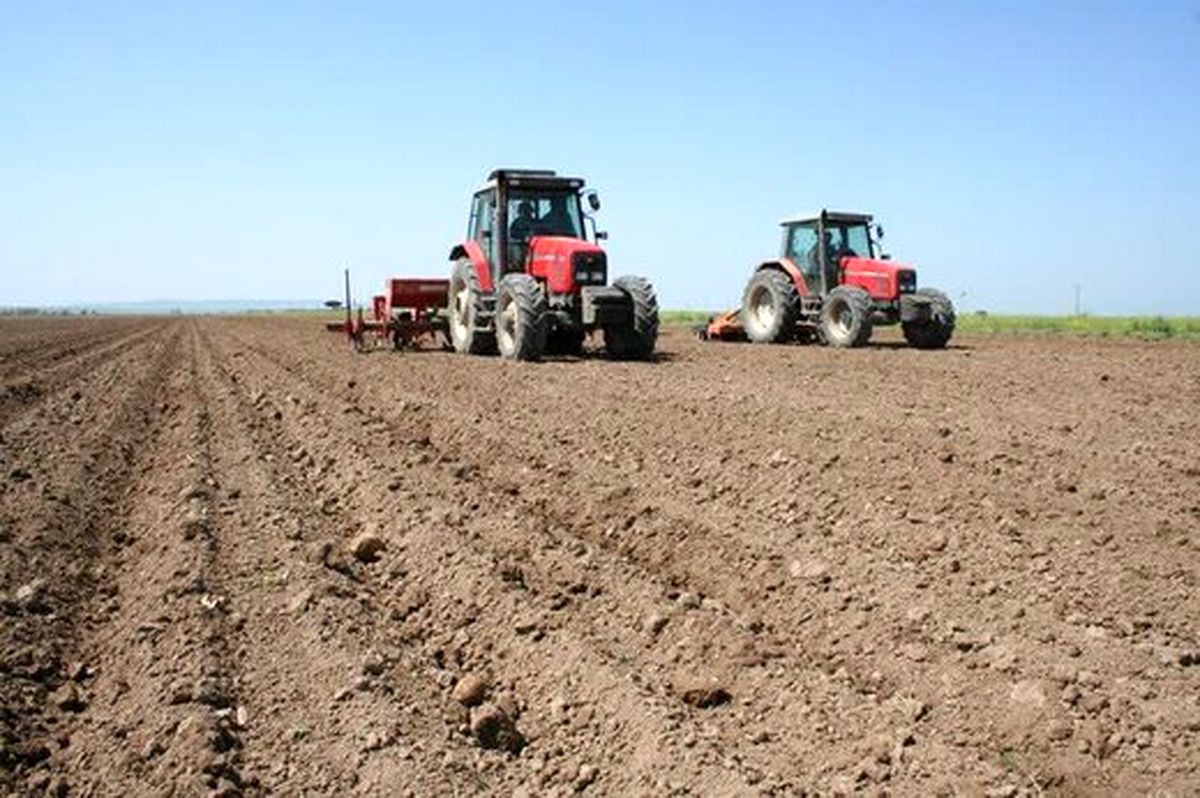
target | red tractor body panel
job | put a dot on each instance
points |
(550, 260)
(419, 294)
(879, 278)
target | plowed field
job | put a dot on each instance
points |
(237, 557)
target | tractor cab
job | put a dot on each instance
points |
(817, 244)
(516, 206)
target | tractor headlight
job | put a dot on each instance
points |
(907, 281)
(589, 268)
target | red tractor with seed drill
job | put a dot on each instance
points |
(527, 281)
(831, 284)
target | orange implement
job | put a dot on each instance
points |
(726, 327)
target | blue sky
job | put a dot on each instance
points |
(209, 150)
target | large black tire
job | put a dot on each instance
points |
(934, 332)
(634, 341)
(770, 307)
(470, 310)
(846, 317)
(521, 322)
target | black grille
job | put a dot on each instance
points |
(589, 268)
(907, 281)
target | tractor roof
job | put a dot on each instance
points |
(830, 216)
(531, 178)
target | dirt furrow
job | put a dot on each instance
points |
(776, 532)
(25, 382)
(23, 336)
(917, 608)
(544, 552)
(62, 512)
(428, 603)
(239, 559)
(168, 692)
(327, 691)
(44, 347)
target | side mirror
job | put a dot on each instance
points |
(879, 231)
(593, 200)
(601, 235)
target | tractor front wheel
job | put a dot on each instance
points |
(846, 317)
(520, 318)
(770, 305)
(636, 340)
(470, 312)
(933, 332)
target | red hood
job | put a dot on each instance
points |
(550, 260)
(561, 244)
(873, 265)
(879, 278)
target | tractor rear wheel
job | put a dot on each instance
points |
(846, 317)
(470, 312)
(770, 306)
(634, 341)
(520, 318)
(934, 332)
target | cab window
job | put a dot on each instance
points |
(802, 249)
(539, 213)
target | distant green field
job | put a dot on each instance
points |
(684, 316)
(1101, 326)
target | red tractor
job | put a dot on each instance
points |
(528, 281)
(831, 284)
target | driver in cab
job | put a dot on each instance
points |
(525, 225)
(834, 252)
(814, 252)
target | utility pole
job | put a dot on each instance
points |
(1077, 313)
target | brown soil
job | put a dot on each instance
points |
(238, 558)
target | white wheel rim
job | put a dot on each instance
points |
(462, 301)
(762, 308)
(841, 317)
(506, 327)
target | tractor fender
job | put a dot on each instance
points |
(473, 252)
(788, 267)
